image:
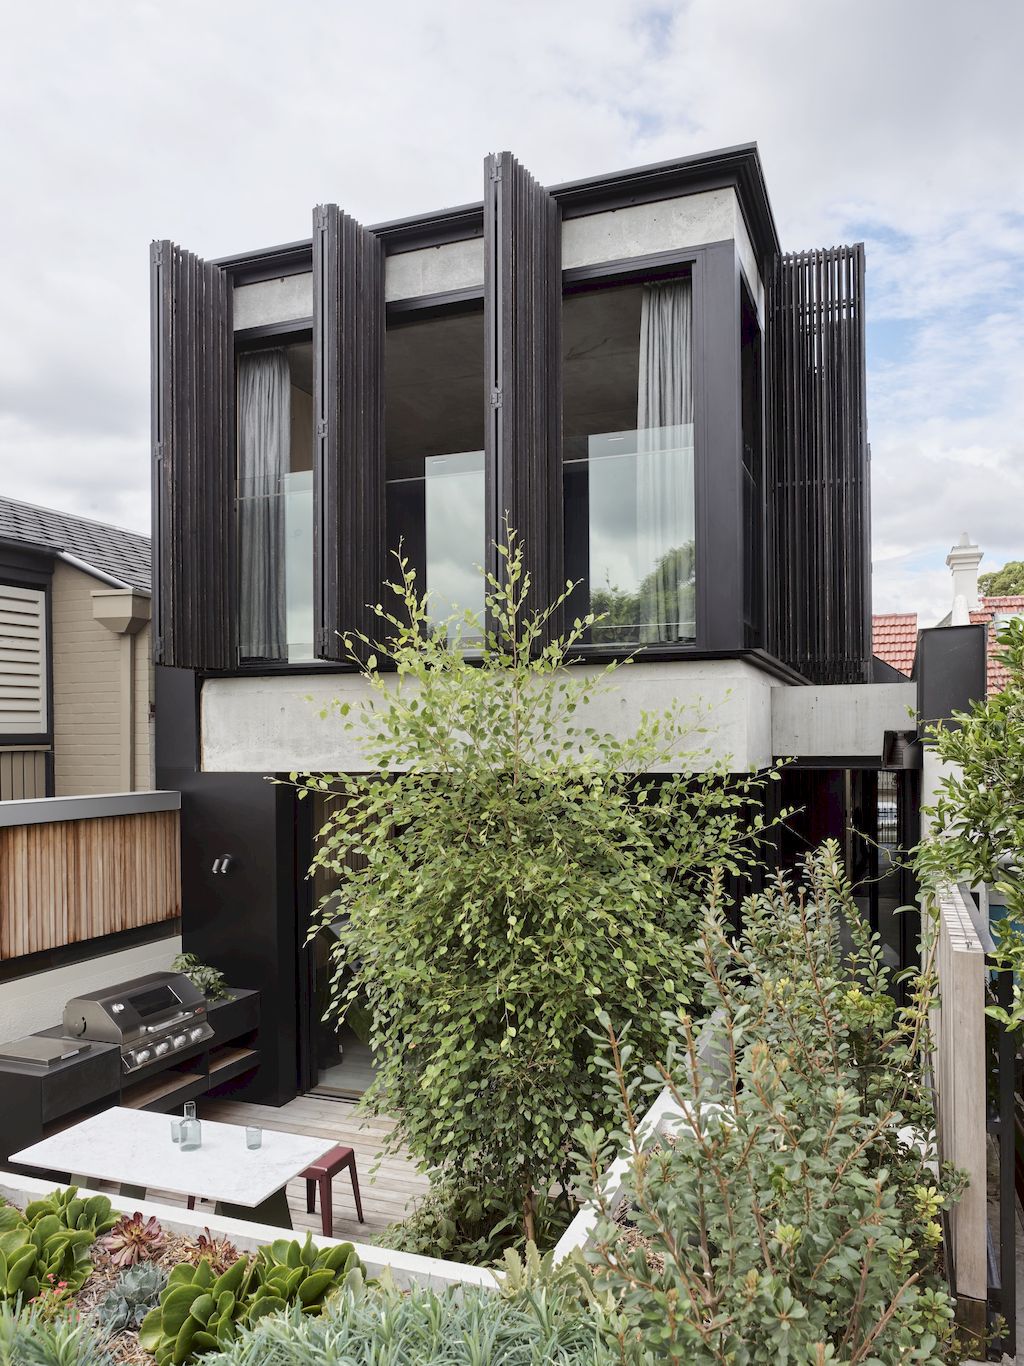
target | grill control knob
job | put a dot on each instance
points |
(143, 1055)
(161, 1048)
(117, 1008)
(195, 1035)
(180, 1040)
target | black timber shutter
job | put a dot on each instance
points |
(348, 408)
(523, 369)
(193, 425)
(818, 466)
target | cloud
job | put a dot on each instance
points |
(222, 125)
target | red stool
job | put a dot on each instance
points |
(321, 1173)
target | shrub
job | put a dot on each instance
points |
(49, 1245)
(798, 1220)
(466, 1328)
(26, 1339)
(200, 1311)
(502, 870)
(133, 1295)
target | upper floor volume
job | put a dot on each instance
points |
(668, 409)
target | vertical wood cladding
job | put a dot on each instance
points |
(818, 474)
(348, 409)
(193, 426)
(523, 368)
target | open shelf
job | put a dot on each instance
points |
(164, 1087)
(231, 1061)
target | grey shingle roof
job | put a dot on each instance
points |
(122, 554)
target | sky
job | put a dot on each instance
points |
(220, 124)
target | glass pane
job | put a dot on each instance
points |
(275, 504)
(629, 488)
(434, 421)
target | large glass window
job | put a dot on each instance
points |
(275, 503)
(434, 427)
(628, 449)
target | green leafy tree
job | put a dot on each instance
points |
(504, 870)
(1003, 582)
(794, 1216)
(977, 818)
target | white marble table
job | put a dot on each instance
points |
(134, 1147)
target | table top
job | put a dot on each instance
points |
(134, 1147)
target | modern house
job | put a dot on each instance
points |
(629, 370)
(75, 656)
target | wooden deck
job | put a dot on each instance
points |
(386, 1197)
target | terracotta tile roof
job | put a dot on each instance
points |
(894, 639)
(985, 615)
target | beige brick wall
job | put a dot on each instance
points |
(89, 732)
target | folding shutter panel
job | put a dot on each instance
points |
(194, 616)
(818, 471)
(348, 403)
(523, 329)
(22, 661)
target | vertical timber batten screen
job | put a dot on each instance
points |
(193, 424)
(523, 369)
(348, 453)
(818, 476)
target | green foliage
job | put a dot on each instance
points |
(462, 1224)
(793, 1218)
(27, 1339)
(502, 871)
(210, 981)
(47, 1247)
(977, 818)
(200, 1311)
(998, 583)
(133, 1295)
(465, 1328)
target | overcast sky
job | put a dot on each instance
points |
(220, 124)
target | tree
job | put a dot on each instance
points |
(506, 869)
(1003, 582)
(978, 815)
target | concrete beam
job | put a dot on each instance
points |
(273, 725)
(848, 720)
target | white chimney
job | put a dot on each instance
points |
(963, 561)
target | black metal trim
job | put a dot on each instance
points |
(286, 333)
(29, 964)
(420, 307)
(738, 167)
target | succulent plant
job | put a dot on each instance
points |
(49, 1244)
(219, 1252)
(133, 1239)
(200, 1311)
(130, 1299)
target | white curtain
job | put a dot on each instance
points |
(264, 440)
(664, 419)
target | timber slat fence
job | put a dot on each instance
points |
(960, 1078)
(68, 875)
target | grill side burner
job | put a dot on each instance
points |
(151, 1017)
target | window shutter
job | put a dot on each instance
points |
(193, 420)
(818, 474)
(348, 406)
(523, 330)
(22, 661)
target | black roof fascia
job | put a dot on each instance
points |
(738, 167)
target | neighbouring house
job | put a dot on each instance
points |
(669, 409)
(76, 713)
(894, 634)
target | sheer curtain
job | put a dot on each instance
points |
(264, 439)
(664, 419)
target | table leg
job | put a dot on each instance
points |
(273, 1211)
(132, 1192)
